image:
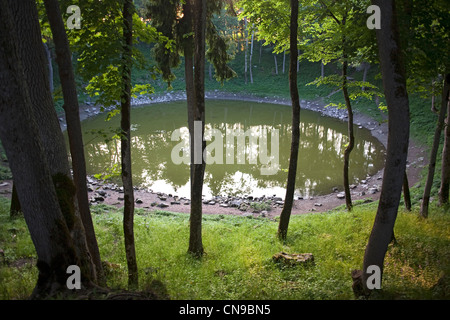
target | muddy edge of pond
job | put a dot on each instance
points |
(367, 190)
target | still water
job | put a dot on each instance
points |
(320, 163)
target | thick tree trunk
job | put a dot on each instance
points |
(195, 236)
(394, 83)
(50, 230)
(292, 173)
(125, 142)
(50, 66)
(445, 170)
(34, 61)
(76, 145)
(351, 142)
(433, 156)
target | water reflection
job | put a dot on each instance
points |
(320, 158)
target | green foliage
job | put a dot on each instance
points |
(168, 19)
(110, 173)
(426, 41)
(260, 206)
(98, 47)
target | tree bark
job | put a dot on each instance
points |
(50, 66)
(76, 145)
(394, 83)
(15, 207)
(406, 194)
(445, 170)
(433, 156)
(246, 51)
(34, 62)
(295, 143)
(189, 76)
(251, 57)
(276, 63)
(50, 230)
(195, 236)
(366, 70)
(125, 143)
(351, 142)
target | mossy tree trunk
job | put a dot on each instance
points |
(52, 228)
(34, 63)
(71, 108)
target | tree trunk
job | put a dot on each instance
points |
(322, 70)
(276, 64)
(125, 143)
(210, 72)
(394, 83)
(351, 142)
(246, 51)
(406, 194)
(189, 76)
(76, 145)
(50, 66)
(433, 99)
(15, 207)
(445, 170)
(433, 155)
(260, 52)
(292, 173)
(34, 61)
(49, 229)
(366, 69)
(195, 236)
(251, 58)
(284, 61)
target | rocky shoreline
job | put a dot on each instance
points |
(266, 206)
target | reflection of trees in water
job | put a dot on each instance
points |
(320, 160)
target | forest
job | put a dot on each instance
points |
(224, 150)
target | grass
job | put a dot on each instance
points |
(238, 262)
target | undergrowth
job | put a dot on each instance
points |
(238, 261)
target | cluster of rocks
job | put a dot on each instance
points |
(247, 203)
(167, 97)
(364, 184)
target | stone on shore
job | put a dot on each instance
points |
(293, 259)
